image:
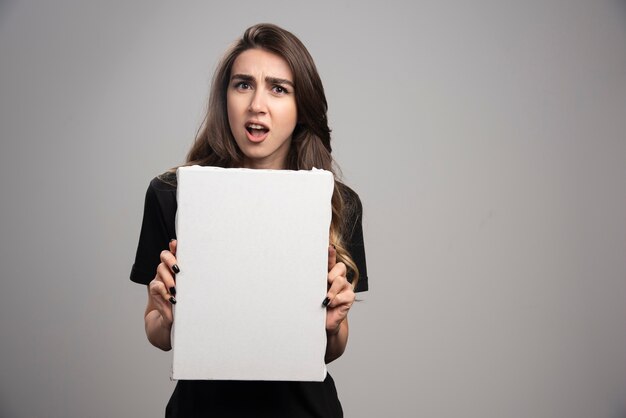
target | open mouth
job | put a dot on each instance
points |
(256, 130)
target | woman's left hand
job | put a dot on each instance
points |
(340, 295)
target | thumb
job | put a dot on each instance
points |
(173, 243)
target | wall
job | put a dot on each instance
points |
(486, 140)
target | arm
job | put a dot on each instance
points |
(336, 343)
(158, 316)
(339, 299)
(157, 328)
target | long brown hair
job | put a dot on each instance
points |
(310, 147)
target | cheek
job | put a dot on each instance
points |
(289, 115)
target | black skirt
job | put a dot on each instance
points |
(218, 398)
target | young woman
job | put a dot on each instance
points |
(267, 109)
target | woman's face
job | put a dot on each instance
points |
(261, 107)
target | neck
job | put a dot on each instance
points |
(263, 165)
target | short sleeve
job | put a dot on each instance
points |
(157, 229)
(354, 238)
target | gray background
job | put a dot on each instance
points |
(487, 142)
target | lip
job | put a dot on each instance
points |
(256, 139)
(256, 122)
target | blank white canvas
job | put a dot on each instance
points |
(253, 254)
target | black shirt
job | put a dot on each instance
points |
(215, 398)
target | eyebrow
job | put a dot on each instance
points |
(270, 80)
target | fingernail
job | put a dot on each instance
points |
(173, 291)
(326, 301)
(173, 239)
(175, 268)
(173, 300)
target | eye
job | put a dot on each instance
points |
(242, 85)
(278, 89)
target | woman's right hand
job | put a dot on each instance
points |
(162, 289)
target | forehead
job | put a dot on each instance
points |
(260, 63)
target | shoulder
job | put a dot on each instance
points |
(352, 213)
(162, 187)
(165, 182)
(161, 193)
(351, 200)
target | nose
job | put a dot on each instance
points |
(258, 102)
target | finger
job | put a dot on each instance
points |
(164, 274)
(173, 246)
(165, 310)
(345, 297)
(340, 284)
(157, 288)
(339, 269)
(167, 315)
(156, 303)
(332, 256)
(168, 258)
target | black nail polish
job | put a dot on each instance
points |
(173, 300)
(326, 301)
(173, 291)
(175, 268)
